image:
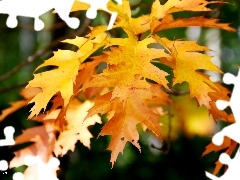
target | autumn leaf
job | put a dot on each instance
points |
(77, 128)
(125, 20)
(84, 71)
(159, 11)
(60, 80)
(161, 18)
(187, 59)
(129, 62)
(89, 45)
(43, 138)
(27, 94)
(128, 68)
(131, 87)
(67, 63)
(122, 128)
(228, 144)
(229, 151)
(122, 125)
(212, 147)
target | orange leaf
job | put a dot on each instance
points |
(227, 143)
(130, 61)
(168, 22)
(229, 151)
(28, 94)
(44, 140)
(122, 128)
(77, 128)
(159, 11)
(212, 147)
(127, 114)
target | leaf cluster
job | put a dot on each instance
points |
(131, 90)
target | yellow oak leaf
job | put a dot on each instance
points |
(159, 11)
(125, 20)
(129, 62)
(77, 5)
(187, 61)
(83, 74)
(129, 65)
(89, 45)
(53, 81)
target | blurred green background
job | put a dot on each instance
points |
(184, 159)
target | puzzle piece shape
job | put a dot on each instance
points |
(8, 133)
(3, 165)
(232, 131)
(44, 169)
(234, 102)
(18, 176)
(100, 4)
(36, 8)
(232, 172)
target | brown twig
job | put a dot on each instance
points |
(29, 60)
(7, 89)
(176, 92)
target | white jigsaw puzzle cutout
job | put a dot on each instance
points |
(8, 141)
(44, 169)
(232, 131)
(8, 133)
(36, 8)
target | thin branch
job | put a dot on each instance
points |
(40, 52)
(164, 148)
(30, 59)
(7, 89)
(176, 92)
(84, 25)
